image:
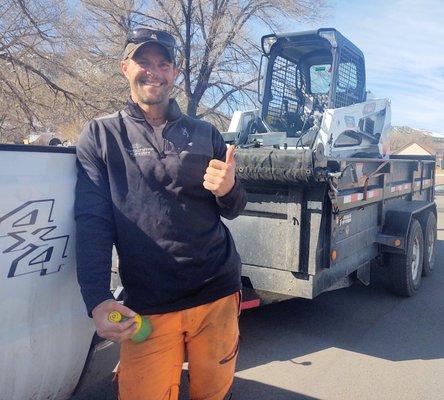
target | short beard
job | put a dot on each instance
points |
(151, 102)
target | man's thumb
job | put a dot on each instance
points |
(229, 157)
(127, 312)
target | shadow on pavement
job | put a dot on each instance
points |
(246, 389)
(368, 320)
(257, 390)
(242, 389)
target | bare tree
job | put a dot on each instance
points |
(40, 89)
(29, 66)
(219, 50)
(60, 67)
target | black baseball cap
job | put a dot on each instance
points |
(139, 37)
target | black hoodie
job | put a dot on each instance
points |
(145, 195)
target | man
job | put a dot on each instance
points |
(155, 182)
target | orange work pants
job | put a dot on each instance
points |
(208, 335)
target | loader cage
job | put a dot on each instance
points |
(308, 72)
(350, 81)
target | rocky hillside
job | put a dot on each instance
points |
(403, 135)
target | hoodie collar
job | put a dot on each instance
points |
(173, 112)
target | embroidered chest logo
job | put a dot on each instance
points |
(138, 150)
(187, 137)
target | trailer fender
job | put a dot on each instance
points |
(397, 219)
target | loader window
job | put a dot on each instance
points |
(351, 79)
(347, 77)
(320, 78)
(348, 138)
(285, 95)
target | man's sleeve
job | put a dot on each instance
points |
(235, 200)
(94, 221)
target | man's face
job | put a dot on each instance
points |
(150, 74)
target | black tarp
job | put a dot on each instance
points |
(265, 165)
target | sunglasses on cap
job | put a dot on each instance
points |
(140, 35)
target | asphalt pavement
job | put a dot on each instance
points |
(355, 343)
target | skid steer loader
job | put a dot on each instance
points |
(313, 96)
(325, 198)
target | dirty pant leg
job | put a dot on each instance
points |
(212, 345)
(151, 370)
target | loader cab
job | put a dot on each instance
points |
(306, 73)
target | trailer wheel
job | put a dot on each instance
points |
(406, 269)
(429, 245)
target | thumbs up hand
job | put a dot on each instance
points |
(219, 175)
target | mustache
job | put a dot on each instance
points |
(151, 80)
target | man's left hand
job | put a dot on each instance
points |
(219, 175)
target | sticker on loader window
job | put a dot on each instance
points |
(31, 241)
(320, 78)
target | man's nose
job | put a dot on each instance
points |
(153, 74)
(151, 70)
(150, 73)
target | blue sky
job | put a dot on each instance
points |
(403, 43)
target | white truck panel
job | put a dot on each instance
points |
(45, 332)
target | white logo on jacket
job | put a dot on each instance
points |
(138, 150)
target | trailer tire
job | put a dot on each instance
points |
(406, 269)
(429, 245)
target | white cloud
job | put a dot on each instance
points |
(404, 60)
(403, 44)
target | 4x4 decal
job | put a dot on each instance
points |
(29, 232)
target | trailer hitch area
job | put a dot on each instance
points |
(335, 175)
(325, 175)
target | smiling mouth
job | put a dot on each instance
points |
(146, 82)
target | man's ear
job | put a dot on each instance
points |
(124, 66)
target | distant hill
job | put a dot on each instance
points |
(404, 135)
